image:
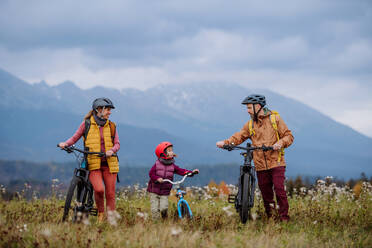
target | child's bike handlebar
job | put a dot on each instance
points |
(190, 174)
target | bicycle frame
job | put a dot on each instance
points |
(86, 194)
(180, 194)
(246, 168)
(80, 182)
(244, 199)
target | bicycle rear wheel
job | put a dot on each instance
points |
(185, 210)
(72, 199)
(245, 210)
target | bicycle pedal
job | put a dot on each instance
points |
(94, 211)
(231, 199)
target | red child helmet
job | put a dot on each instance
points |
(160, 150)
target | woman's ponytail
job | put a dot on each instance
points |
(89, 114)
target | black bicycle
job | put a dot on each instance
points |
(79, 198)
(244, 199)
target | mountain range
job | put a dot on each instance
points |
(192, 116)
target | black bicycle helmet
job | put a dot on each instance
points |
(255, 98)
(102, 102)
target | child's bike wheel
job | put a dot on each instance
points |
(185, 210)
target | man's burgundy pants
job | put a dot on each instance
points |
(273, 180)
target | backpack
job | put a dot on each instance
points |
(273, 116)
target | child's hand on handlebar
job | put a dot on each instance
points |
(196, 171)
(159, 180)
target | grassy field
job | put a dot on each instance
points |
(324, 216)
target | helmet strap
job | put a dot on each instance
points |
(255, 114)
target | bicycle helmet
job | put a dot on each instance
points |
(160, 150)
(255, 99)
(102, 102)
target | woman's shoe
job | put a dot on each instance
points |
(101, 217)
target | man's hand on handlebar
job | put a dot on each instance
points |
(220, 144)
(277, 146)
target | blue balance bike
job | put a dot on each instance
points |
(183, 207)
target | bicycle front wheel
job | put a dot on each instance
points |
(184, 209)
(72, 199)
(245, 210)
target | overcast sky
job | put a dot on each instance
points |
(316, 51)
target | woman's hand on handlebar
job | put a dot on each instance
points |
(109, 153)
(63, 145)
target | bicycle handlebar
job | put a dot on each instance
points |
(190, 174)
(248, 148)
(72, 148)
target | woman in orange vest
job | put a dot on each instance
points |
(100, 135)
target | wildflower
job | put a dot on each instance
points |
(254, 216)
(55, 180)
(46, 232)
(315, 222)
(176, 231)
(86, 221)
(113, 217)
(227, 210)
(142, 215)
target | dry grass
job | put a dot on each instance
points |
(324, 217)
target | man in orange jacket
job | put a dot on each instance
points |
(266, 128)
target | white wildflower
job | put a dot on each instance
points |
(254, 216)
(227, 210)
(86, 221)
(142, 215)
(176, 231)
(46, 232)
(113, 217)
